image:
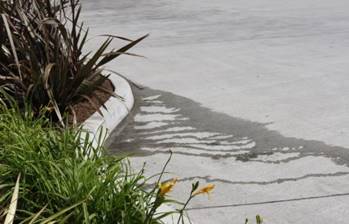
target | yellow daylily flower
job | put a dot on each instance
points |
(205, 190)
(167, 186)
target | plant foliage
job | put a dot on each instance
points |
(42, 59)
(58, 183)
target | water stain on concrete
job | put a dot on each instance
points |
(166, 117)
(251, 166)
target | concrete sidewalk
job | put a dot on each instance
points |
(259, 105)
(277, 61)
(256, 171)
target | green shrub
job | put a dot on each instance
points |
(55, 175)
(41, 59)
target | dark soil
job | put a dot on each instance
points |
(84, 109)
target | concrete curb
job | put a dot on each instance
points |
(117, 110)
(99, 126)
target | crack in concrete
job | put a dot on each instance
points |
(270, 202)
(208, 179)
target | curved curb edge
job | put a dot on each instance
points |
(117, 110)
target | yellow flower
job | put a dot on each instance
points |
(167, 186)
(205, 190)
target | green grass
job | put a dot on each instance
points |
(55, 175)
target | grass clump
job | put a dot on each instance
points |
(56, 179)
